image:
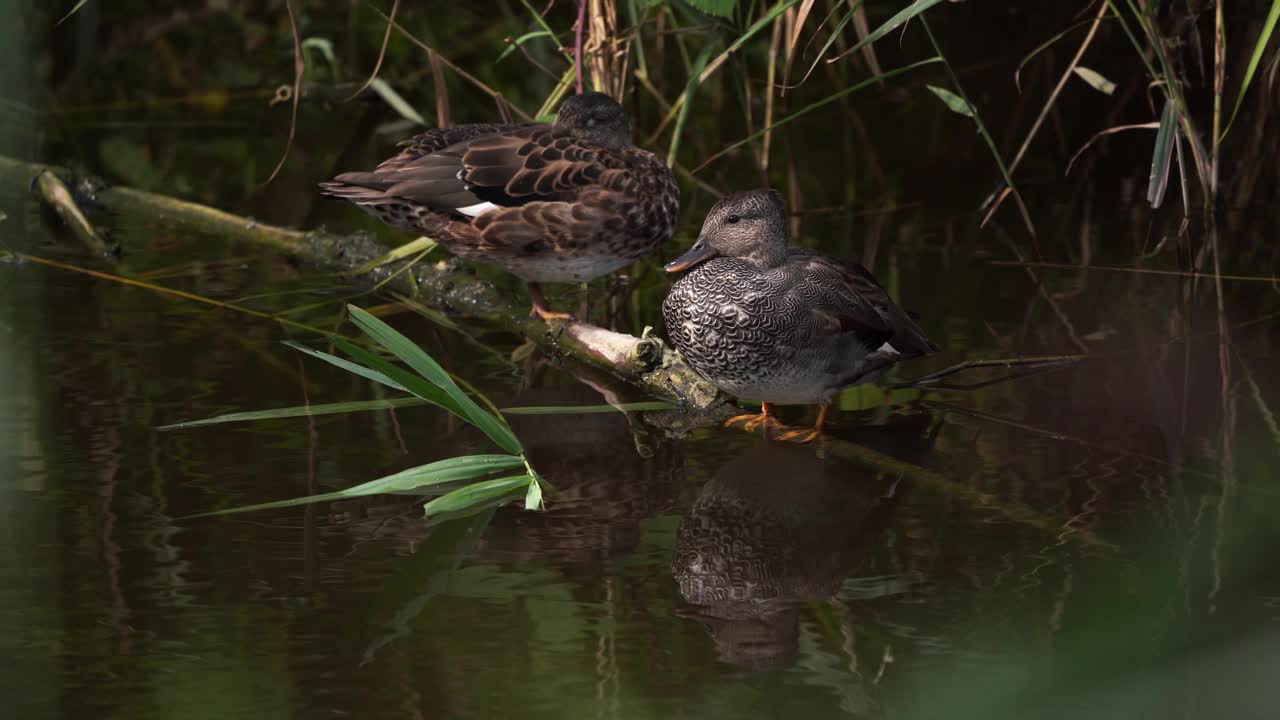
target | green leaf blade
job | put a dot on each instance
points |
(443, 471)
(402, 378)
(477, 496)
(907, 13)
(533, 496)
(686, 101)
(74, 9)
(954, 102)
(349, 366)
(511, 47)
(397, 103)
(1162, 157)
(422, 363)
(1259, 48)
(298, 411)
(1095, 79)
(422, 244)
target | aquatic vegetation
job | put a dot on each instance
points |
(428, 383)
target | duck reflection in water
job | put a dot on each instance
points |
(776, 527)
(608, 473)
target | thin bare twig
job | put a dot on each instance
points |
(1141, 271)
(504, 104)
(1103, 133)
(299, 67)
(382, 53)
(579, 33)
(796, 19)
(1031, 364)
(980, 415)
(1053, 96)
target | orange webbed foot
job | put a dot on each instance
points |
(548, 315)
(541, 309)
(807, 435)
(801, 435)
(750, 422)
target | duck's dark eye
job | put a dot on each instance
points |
(591, 122)
(732, 219)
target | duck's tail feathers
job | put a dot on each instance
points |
(908, 339)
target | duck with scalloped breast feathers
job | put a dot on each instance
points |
(764, 321)
(565, 202)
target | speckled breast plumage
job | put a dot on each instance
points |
(752, 332)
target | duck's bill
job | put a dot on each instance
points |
(699, 252)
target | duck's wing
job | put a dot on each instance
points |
(857, 303)
(437, 139)
(491, 171)
(425, 172)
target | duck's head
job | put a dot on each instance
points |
(750, 226)
(596, 117)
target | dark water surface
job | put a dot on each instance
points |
(1081, 553)
(1098, 541)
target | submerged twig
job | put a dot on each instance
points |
(1012, 510)
(1139, 271)
(1026, 365)
(1056, 435)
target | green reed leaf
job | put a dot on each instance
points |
(347, 365)
(686, 101)
(397, 103)
(533, 496)
(478, 496)
(412, 247)
(1162, 158)
(1095, 79)
(422, 363)
(1268, 27)
(511, 47)
(74, 9)
(451, 470)
(299, 411)
(953, 101)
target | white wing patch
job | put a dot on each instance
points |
(887, 348)
(477, 209)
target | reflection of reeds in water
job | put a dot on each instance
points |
(603, 486)
(777, 527)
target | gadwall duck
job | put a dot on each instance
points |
(565, 202)
(764, 321)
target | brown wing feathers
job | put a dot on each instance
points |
(507, 169)
(545, 163)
